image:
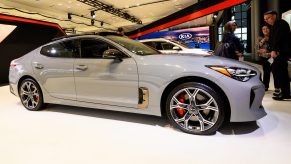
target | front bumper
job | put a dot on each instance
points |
(245, 99)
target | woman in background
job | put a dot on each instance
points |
(237, 48)
(263, 51)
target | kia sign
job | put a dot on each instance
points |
(193, 37)
(185, 36)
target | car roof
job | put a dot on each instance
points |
(86, 35)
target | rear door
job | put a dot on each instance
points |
(53, 68)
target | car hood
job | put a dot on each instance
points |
(189, 60)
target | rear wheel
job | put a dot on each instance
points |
(195, 108)
(31, 95)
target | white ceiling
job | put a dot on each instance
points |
(60, 8)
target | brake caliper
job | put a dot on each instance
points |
(181, 111)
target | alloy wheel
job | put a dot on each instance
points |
(29, 95)
(194, 109)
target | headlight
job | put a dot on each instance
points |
(240, 74)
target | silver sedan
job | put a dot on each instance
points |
(197, 93)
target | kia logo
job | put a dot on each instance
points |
(185, 36)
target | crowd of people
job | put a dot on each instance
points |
(273, 48)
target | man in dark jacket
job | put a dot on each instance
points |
(280, 51)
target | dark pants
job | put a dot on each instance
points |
(267, 73)
(280, 73)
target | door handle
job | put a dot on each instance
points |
(38, 66)
(82, 67)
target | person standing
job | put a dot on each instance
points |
(120, 31)
(280, 51)
(263, 51)
(236, 48)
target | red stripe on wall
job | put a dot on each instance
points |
(18, 19)
(209, 10)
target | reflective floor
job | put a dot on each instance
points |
(62, 134)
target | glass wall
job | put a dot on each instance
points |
(239, 15)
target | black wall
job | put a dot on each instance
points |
(25, 38)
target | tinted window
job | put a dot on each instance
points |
(65, 49)
(167, 46)
(133, 46)
(155, 45)
(94, 48)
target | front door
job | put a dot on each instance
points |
(105, 81)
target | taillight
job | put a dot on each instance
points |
(13, 64)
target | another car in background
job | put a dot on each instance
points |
(172, 46)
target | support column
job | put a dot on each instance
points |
(255, 26)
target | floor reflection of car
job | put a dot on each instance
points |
(197, 93)
(171, 46)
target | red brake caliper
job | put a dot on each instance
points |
(181, 111)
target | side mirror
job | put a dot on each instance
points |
(176, 48)
(112, 54)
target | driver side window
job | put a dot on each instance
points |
(92, 48)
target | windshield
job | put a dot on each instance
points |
(181, 44)
(133, 46)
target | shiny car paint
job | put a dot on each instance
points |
(107, 84)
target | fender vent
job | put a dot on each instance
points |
(143, 98)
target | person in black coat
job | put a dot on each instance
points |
(280, 52)
(228, 37)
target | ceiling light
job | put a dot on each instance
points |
(93, 14)
(92, 22)
(101, 23)
(69, 16)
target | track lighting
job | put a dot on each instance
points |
(98, 5)
(93, 14)
(69, 16)
(101, 23)
(92, 22)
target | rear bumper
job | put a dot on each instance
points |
(13, 89)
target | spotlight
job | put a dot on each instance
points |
(93, 14)
(92, 22)
(69, 16)
(101, 23)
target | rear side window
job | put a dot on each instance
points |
(65, 49)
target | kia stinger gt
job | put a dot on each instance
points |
(197, 93)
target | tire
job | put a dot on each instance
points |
(30, 95)
(195, 108)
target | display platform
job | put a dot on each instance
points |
(63, 134)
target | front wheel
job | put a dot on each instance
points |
(31, 95)
(195, 108)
